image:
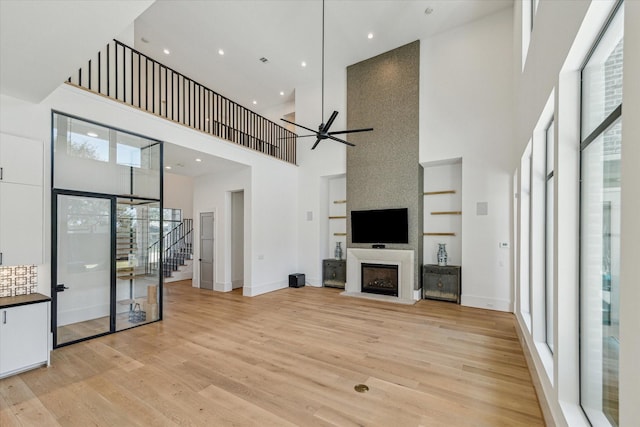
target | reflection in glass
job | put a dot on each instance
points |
(83, 267)
(602, 77)
(549, 283)
(137, 263)
(93, 158)
(600, 277)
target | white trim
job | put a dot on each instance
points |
(256, 290)
(498, 304)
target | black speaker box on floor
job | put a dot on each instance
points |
(296, 280)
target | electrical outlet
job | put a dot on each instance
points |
(503, 245)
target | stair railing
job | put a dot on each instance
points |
(177, 244)
(129, 76)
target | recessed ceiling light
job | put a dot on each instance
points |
(370, 35)
(281, 93)
(166, 51)
(304, 64)
(220, 52)
(198, 160)
(207, 119)
(167, 167)
(428, 11)
(255, 102)
(92, 134)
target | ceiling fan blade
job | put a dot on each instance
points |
(300, 126)
(316, 144)
(340, 140)
(350, 131)
(329, 122)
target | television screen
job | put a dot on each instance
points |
(380, 226)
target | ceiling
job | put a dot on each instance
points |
(287, 32)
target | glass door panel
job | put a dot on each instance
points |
(138, 262)
(83, 267)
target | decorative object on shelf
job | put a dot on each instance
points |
(338, 251)
(442, 254)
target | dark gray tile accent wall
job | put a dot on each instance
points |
(383, 170)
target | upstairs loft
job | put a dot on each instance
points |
(126, 75)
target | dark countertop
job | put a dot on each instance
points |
(7, 302)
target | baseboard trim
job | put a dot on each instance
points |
(486, 303)
(222, 287)
(255, 290)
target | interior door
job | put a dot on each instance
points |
(83, 260)
(206, 250)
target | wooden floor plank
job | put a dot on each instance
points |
(290, 357)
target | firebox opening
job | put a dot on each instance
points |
(379, 279)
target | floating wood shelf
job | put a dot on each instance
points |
(337, 217)
(447, 213)
(433, 193)
(439, 234)
(339, 234)
(339, 201)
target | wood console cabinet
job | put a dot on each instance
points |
(441, 283)
(334, 273)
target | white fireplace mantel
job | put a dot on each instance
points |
(404, 259)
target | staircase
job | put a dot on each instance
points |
(128, 266)
(177, 252)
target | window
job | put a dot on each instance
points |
(549, 286)
(600, 225)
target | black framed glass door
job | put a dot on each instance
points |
(82, 266)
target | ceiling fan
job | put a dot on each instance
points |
(323, 128)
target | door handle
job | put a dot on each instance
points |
(4, 317)
(61, 288)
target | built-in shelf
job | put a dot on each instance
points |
(439, 234)
(339, 201)
(339, 234)
(447, 213)
(337, 217)
(433, 193)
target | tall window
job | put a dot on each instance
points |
(548, 246)
(600, 225)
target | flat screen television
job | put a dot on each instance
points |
(380, 226)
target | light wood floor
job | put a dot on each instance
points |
(290, 357)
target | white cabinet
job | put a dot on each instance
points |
(24, 340)
(20, 160)
(21, 201)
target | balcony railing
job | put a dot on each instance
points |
(124, 74)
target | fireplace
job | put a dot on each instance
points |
(379, 279)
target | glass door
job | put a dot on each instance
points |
(82, 266)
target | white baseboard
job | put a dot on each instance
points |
(417, 294)
(222, 287)
(255, 290)
(487, 303)
(313, 281)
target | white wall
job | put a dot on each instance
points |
(272, 252)
(466, 99)
(316, 166)
(563, 33)
(237, 239)
(212, 193)
(178, 193)
(630, 240)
